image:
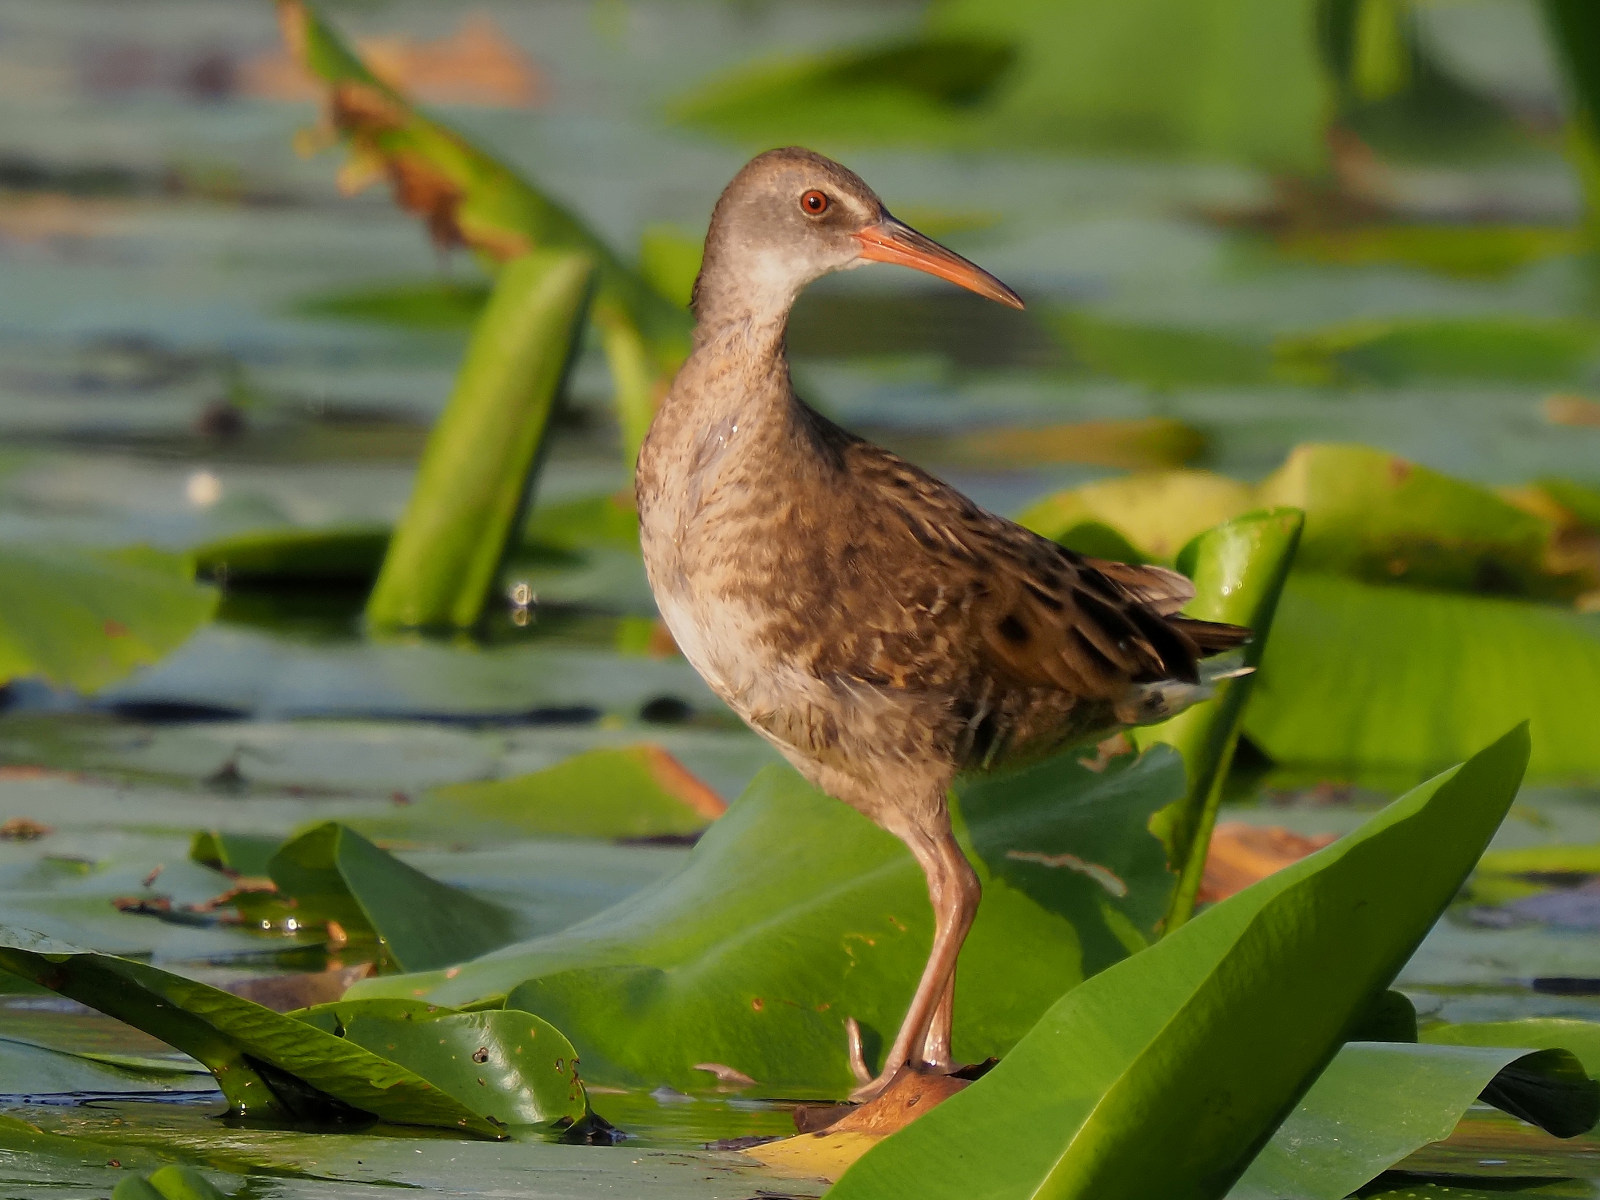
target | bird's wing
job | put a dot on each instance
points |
(1026, 611)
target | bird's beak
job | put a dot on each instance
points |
(894, 241)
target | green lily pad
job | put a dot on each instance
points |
(1369, 515)
(295, 556)
(795, 912)
(1204, 1043)
(634, 792)
(513, 1067)
(1158, 512)
(83, 619)
(265, 1063)
(1159, 356)
(1374, 516)
(46, 1070)
(1396, 351)
(1078, 75)
(1406, 678)
(171, 1182)
(334, 874)
(429, 304)
(238, 854)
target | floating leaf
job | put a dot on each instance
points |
(1407, 678)
(334, 874)
(1159, 512)
(83, 619)
(1204, 1043)
(1224, 79)
(1376, 516)
(434, 304)
(288, 557)
(1369, 514)
(1141, 442)
(1162, 356)
(172, 1182)
(1464, 251)
(1402, 349)
(635, 792)
(266, 1063)
(795, 912)
(513, 1067)
(234, 853)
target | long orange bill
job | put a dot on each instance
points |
(893, 241)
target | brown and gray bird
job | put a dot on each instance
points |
(876, 626)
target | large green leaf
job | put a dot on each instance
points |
(334, 874)
(1414, 679)
(1203, 1044)
(83, 619)
(1398, 351)
(1581, 1038)
(1227, 78)
(795, 912)
(1374, 516)
(46, 1070)
(1369, 515)
(265, 1063)
(633, 792)
(1377, 1102)
(483, 452)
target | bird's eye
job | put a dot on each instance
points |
(815, 203)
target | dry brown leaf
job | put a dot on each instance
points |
(1243, 854)
(22, 829)
(1568, 408)
(684, 784)
(476, 65)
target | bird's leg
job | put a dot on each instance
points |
(953, 890)
(935, 1054)
(961, 897)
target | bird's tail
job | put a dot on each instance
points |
(1152, 702)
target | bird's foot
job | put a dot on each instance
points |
(869, 1086)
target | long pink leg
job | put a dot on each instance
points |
(954, 892)
(935, 1054)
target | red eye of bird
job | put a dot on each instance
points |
(814, 202)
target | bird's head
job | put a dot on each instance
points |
(791, 216)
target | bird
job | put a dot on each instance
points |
(881, 630)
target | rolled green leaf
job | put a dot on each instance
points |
(467, 197)
(478, 465)
(1239, 570)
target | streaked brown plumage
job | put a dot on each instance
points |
(879, 628)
